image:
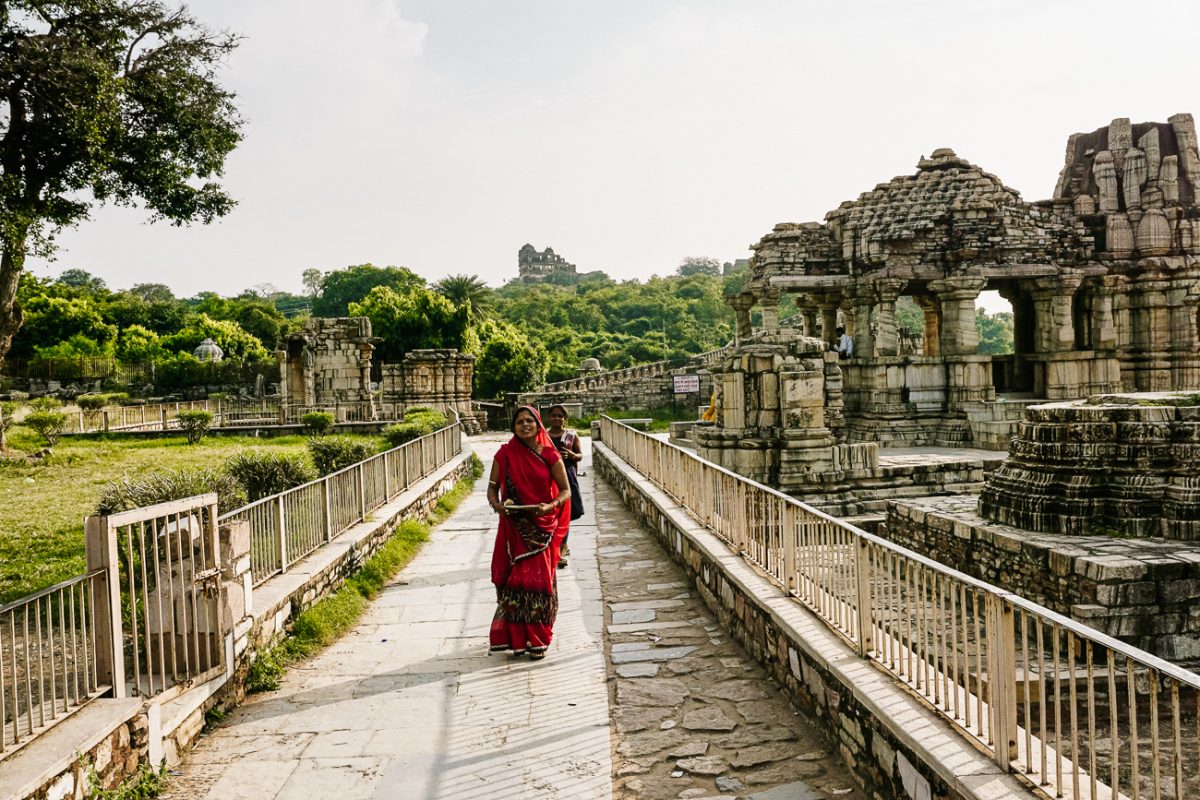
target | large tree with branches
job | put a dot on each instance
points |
(105, 101)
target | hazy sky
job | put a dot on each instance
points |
(442, 135)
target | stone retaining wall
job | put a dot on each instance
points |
(892, 753)
(1141, 591)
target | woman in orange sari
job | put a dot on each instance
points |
(528, 488)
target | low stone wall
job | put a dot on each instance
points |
(894, 746)
(1141, 591)
(645, 387)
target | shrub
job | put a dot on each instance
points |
(44, 403)
(91, 404)
(47, 424)
(7, 410)
(194, 424)
(331, 453)
(317, 423)
(417, 422)
(169, 484)
(118, 398)
(262, 474)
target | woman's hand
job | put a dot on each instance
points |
(497, 506)
(545, 508)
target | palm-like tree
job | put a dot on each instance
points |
(463, 289)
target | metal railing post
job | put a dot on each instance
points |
(1002, 679)
(326, 510)
(362, 494)
(280, 527)
(101, 551)
(862, 570)
(387, 477)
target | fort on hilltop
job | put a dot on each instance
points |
(534, 265)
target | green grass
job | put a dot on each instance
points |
(148, 782)
(328, 619)
(42, 506)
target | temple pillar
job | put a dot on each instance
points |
(1054, 330)
(932, 313)
(742, 305)
(887, 339)
(957, 295)
(770, 311)
(860, 326)
(1104, 331)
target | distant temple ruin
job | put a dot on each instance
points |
(1103, 279)
(327, 363)
(534, 266)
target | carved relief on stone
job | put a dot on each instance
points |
(1118, 236)
(1168, 179)
(1154, 234)
(1135, 174)
(1149, 144)
(1104, 171)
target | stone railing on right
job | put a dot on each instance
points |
(1066, 708)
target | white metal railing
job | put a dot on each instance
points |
(163, 563)
(150, 417)
(287, 526)
(47, 659)
(1074, 711)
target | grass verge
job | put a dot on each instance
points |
(329, 618)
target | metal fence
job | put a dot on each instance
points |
(1077, 713)
(288, 526)
(165, 561)
(47, 659)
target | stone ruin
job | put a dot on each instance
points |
(440, 379)
(534, 266)
(1104, 282)
(1095, 514)
(327, 364)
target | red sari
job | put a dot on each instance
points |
(526, 555)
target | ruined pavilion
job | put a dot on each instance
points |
(1103, 281)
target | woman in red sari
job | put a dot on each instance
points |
(527, 471)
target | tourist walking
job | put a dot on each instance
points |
(528, 488)
(566, 441)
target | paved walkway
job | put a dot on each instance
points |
(410, 705)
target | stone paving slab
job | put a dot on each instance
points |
(410, 705)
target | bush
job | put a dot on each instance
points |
(317, 423)
(331, 453)
(47, 424)
(262, 474)
(44, 404)
(118, 398)
(417, 422)
(167, 484)
(194, 424)
(91, 404)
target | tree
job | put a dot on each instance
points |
(995, 332)
(464, 289)
(342, 287)
(700, 265)
(413, 318)
(312, 278)
(509, 361)
(105, 100)
(153, 292)
(82, 279)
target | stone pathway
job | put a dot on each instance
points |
(694, 716)
(410, 705)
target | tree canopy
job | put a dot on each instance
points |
(340, 288)
(105, 101)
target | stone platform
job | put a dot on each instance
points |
(1142, 591)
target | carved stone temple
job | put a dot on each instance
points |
(440, 379)
(1103, 281)
(327, 364)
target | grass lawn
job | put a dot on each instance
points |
(42, 507)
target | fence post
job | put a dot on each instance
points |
(104, 419)
(788, 521)
(281, 527)
(387, 476)
(362, 495)
(862, 570)
(162, 418)
(101, 551)
(1002, 679)
(326, 510)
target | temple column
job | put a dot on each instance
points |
(960, 334)
(769, 304)
(1054, 324)
(887, 339)
(810, 320)
(860, 328)
(742, 305)
(932, 316)
(1104, 329)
